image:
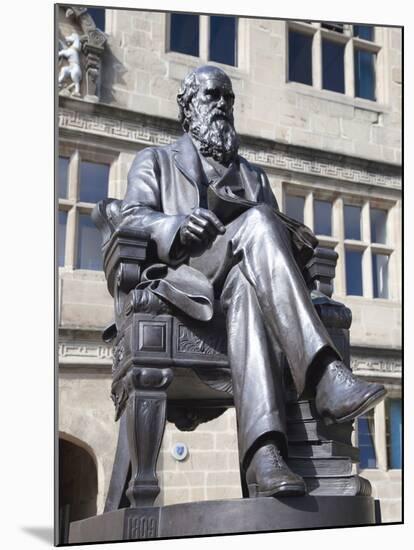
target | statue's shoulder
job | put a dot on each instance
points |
(154, 153)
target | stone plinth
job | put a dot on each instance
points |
(225, 517)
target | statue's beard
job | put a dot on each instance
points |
(216, 137)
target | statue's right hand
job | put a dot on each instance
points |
(201, 227)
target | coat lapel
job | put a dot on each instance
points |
(187, 160)
(250, 181)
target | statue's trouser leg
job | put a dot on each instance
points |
(259, 244)
(257, 389)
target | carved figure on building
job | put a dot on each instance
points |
(73, 69)
(91, 43)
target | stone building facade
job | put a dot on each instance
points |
(330, 155)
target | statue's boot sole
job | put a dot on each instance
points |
(372, 400)
(283, 490)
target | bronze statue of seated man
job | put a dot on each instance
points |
(218, 233)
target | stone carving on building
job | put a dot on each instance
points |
(72, 70)
(85, 352)
(91, 44)
(146, 133)
(376, 366)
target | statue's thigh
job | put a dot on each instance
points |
(65, 72)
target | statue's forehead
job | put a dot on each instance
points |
(215, 81)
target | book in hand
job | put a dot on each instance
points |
(225, 198)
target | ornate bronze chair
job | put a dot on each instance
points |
(177, 370)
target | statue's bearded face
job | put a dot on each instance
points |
(210, 119)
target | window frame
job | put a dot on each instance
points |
(373, 435)
(72, 205)
(380, 431)
(105, 14)
(309, 34)
(236, 40)
(351, 44)
(204, 42)
(388, 426)
(168, 41)
(340, 244)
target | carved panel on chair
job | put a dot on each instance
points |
(189, 342)
(151, 337)
(205, 341)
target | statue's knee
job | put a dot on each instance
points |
(261, 218)
(261, 225)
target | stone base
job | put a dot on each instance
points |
(224, 517)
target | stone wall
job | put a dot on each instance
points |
(141, 75)
(211, 469)
(387, 487)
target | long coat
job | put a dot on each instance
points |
(164, 186)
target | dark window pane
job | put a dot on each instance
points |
(366, 445)
(223, 39)
(380, 275)
(295, 207)
(352, 219)
(322, 215)
(353, 266)
(378, 226)
(364, 31)
(364, 66)
(62, 220)
(93, 181)
(394, 435)
(337, 27)
(300, 58)
(185, 33)
(333, 66)
(89, 244)
(98, 15)
(63, 177)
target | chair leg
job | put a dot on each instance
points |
(146, 416)
(244, 488)
(120, 471)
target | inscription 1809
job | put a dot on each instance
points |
(142, 527)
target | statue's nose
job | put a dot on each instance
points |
(221, 103)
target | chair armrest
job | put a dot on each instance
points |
(124, 255)
(124, 249)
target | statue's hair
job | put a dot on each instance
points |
(189, 88)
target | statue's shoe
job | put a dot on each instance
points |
(341, 397)
(268, 475)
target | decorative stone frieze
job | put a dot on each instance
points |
(85, 353)
(376, 365)
(145, 132)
